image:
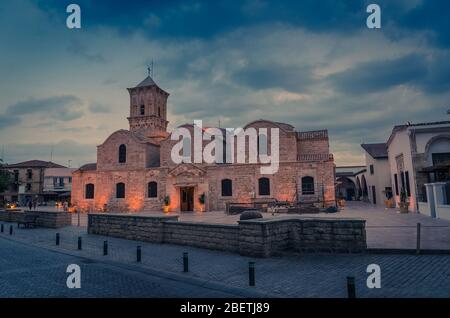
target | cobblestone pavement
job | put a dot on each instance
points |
(287, 276)
(27, 271)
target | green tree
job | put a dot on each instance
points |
(5, 177)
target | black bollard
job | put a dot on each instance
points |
(10, 230)
(251, 273)
(351, 290)
(2, 228)
(57, 238)
(105, 248)
(79, 243)
(138, 254)
(185, 262)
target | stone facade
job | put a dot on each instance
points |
(147, 159)
(260, 238)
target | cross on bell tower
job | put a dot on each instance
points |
(148, 107)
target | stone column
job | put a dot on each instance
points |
(439, 197)
(430, 199)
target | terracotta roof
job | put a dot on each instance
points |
(377, 151)
(88, 167)
(35, 164)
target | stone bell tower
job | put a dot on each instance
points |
(148, 108)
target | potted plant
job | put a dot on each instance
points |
(341, 200)
(403, 205)
(166, 204)
(201, 200)
(389, 202)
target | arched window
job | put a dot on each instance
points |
(227, 188)
(122, 154)
(89, 191)
(262, 144)
(264, 186)
(307, 185)
(152, 189)
(142, 110)
(120, 190)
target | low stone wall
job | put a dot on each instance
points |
(271, 237)
(132, 227)
(261, 238)
(213, 236)
(11, 215)
(49, 219)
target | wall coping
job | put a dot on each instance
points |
(126, 215)
(299, 219)
(217, 225)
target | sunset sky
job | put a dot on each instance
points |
(313, 64)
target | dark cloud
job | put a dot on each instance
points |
(81, 50)
(375, 76)
(8, 121)
(290, 78)
(65, 108)
(99, 108)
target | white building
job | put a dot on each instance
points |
(57, 183)
(414, 155)
(376, 183)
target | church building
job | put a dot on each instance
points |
(134, 170)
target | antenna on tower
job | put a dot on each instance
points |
(150, 69)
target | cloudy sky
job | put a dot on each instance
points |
(313, 64)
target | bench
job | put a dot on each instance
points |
(28, 221)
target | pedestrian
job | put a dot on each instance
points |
(65, 206)
(30, 204)
(34, 204)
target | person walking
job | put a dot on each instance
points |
(30, 204)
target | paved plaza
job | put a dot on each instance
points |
(386, 228)
(30, 258)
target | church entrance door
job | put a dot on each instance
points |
(187, 199)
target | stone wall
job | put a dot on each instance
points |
(45, 218)
(212, 236)
(261, 238)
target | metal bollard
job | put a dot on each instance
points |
(105, 248)
(351, 290)
(418, 239)
(79, 243)
(251, 273)
(57, 238)
(10, 230)
(2, 228)
(138, 254)
(185, 262)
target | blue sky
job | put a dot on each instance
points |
(312, 64)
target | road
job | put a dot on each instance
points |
(36, 272)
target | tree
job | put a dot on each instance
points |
(5, 177)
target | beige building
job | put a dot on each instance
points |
(27, 181)
(135, 172)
